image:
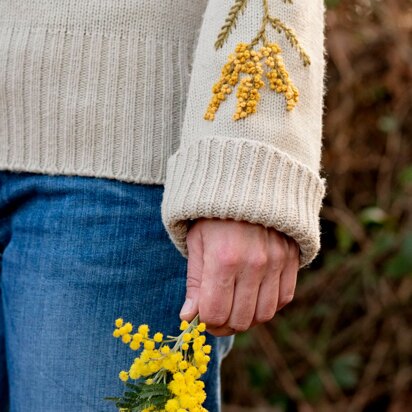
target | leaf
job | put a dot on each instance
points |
(133, 386)
(345, 370)
(312, 387)
(401, 264)
(345, 238)
(373, 215)
(154, 390)
(112, 398)
(405, 177)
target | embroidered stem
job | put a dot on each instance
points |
(230, 22)
(279, 26)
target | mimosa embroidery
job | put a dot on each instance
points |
(249, 61)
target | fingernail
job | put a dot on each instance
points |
(187, 307)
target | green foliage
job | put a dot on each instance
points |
(345, 370)
(259, 372)
(312, 387)
(141, 396)
(400, 264)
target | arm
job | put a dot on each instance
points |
(263, 167)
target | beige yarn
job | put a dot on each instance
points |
(118, 89)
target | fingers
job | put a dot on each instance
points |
(217, 289)
(190, 307)
(289, 276)
(269, 288)
(278, 286)
(244, 304)
(246, 290)
(239, 274)
(267, 301)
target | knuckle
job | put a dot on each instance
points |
(279, 254)
(239, 326)
(227, 258)
(192, 281)
(283, 253)
(213, 318)
(293, 249)
(224, 283)
(265, 316)
(258, 260)
(221, 332)
(285, 300)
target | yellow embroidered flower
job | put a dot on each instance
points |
(248, 61)
(245, 60)
(278, 76)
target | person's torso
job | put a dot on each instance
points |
(95, 87)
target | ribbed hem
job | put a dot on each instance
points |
(92, 105)
(242, 180)
(172, 19)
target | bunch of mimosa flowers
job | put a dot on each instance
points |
(166, 375)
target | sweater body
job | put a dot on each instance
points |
(95, 88)
(119, 89)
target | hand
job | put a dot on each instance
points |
(239, 274)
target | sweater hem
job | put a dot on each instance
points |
(83, 173)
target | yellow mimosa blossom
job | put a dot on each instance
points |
(138, 337)
(207, 349)
(177, 369)
(124, 376)
(143, 330)
(128, 327)
(148, 344)
(184, 325)
(158, 337)
(201, 327)
(126, 338)
(165, 349)
(134, 345)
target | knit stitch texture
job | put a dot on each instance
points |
(118, 89)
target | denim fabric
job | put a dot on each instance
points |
(76, 253)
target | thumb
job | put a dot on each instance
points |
(194, 274)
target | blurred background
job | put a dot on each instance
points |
(345, 342)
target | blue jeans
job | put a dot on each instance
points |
(76, 253)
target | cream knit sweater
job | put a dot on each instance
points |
(119, 88)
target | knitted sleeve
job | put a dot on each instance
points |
(251, 139)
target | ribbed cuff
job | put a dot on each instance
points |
(244, 180)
